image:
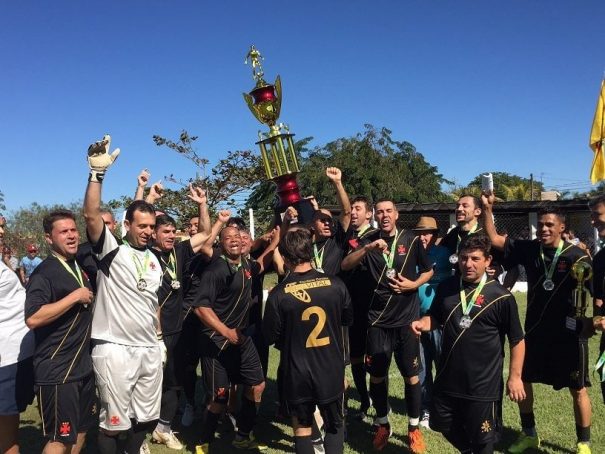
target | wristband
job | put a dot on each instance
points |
(96, 176)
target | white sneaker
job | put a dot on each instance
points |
(188, 415)
(424, 420)
(144, 448)
(167, 438)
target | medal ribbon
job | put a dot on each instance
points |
(470, 232)
(466, 307)
(363, 230)
(318, 256)
(601, 363)
(78, 276)
(236, 266)
(141, 267)
(389, 257)
(171, 265)
(548, 272)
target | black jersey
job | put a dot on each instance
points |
(170, 296)
(304, 315)
(227, 290)
(598, 279)
(546, 310)
(358, 280)
(388, 309)
(88, 263)
(329, 252)
(470, 364)
(63, 346)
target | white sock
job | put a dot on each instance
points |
(414, 421)
(163, 428)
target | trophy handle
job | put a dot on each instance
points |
(278, 93)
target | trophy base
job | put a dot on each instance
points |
(288, 194)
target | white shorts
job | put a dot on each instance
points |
(129, 382)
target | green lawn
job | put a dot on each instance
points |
(553, 413)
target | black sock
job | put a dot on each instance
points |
(303, 445)
(334, 440)
(210, 423)
(413, 399)
(246, 417)
(380, 398)
(487, 448)
(583, 434)
(528, 423)
(137, 436)
(169, 406)
(359, 378)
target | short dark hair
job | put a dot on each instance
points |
(164, 219)
(236, 222)
(54, 216)
(363, 199)
(384, 199)
(476, 200)
(598, 200)
(476, 242)
(296, 246)
(552, 210)
(139, 205)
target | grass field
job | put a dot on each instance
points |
(553, 411)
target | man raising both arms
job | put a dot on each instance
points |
(127, 349)
(556, 353)
(397, 265)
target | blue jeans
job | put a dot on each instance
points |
(430, 350)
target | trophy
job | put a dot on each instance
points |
(581, 272)
(276, 145)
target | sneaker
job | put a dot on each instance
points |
(318, 446)
(248, 443)
(381, 436)
(202, 449)
(416, 441)
(145, 448)
(424, 420)
(167, 438)
(583, 448)
(523, 443)
(362, 413)
(188, 416)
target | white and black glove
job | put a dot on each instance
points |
(99, 158)
(163, 349)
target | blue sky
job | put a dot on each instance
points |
(475, 86)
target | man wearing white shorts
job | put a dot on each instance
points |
(127, 349)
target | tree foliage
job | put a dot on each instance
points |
(2, 205)
(234, 175)
(507, 187)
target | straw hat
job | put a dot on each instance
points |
(426, 223)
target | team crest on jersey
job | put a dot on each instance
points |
(248, 274)
(152, 266)
(221, 392)
(93, 411)
(415, 362)
(354, 243)
(114, 420)
(486, 426)
(401, 249)
(368, 360)
(480, 300)
(64, 429)
(562, 267)
(299, 289)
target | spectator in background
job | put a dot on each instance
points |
(430, 342)
(29, 263)
(570, 236)
(9, 259)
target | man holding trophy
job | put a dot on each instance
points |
(556, 348)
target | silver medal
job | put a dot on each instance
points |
(175, 285)
(465, 322)
(548, 285)
(453, 259)
(320, 270)
(141, 284)
(391, 273)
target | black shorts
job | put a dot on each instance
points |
(16, 387)
(170, 378)
(331, 413)
(187, 353)
(236, 364)
(68, 409)
(563, 364)
(358, 334)
(480, 421)
(382, 343)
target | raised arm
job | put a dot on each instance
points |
(142, 181)
(206, 246)
(198, 195)
(488, 221)
(99, 160)
(266, 257)
(335, 176)
(155, 193)
(355, 258)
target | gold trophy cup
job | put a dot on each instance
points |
(581, 272)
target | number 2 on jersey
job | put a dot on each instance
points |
(313, 340)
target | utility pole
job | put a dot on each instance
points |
(531, 186)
